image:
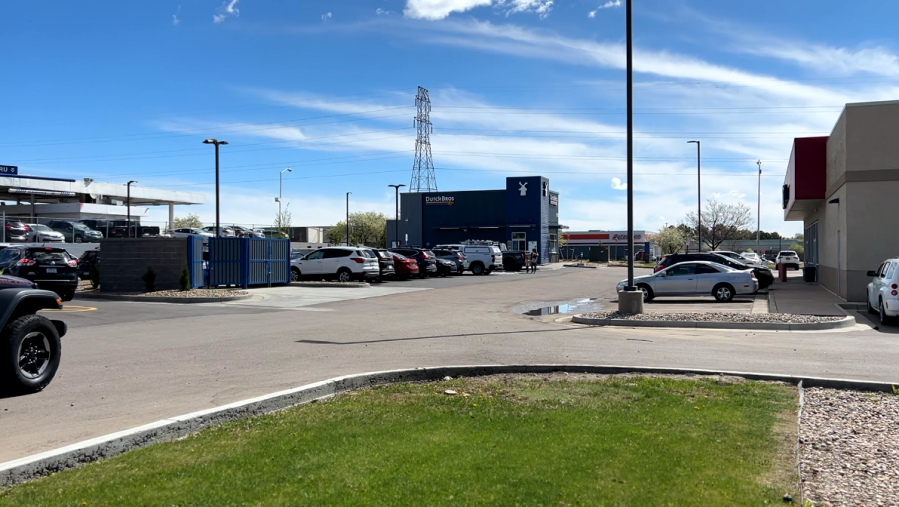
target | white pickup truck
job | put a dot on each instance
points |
(479, 259)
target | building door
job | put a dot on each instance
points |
(811, 247)
(519, 240)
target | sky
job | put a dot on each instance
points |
(128, 90)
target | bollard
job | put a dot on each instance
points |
(782, 271)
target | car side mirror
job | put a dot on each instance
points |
(871, 273)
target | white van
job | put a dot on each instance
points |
(479, 259)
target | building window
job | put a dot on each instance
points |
(553, 243)
(519, 241)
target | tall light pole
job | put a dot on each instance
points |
(758, 229)
(128, 206)
(279, 192)
(216, 142)
(698, 196)
(630, 148)
(396, 220)
(348, 218)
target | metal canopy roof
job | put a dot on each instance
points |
(56, 190)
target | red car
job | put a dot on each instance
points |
(405, 267)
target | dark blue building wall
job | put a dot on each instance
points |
(527, 211)
(452, 217)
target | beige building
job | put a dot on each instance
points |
(845, 190)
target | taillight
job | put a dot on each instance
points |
(359, 260)
(492, 258)
(26, 262)
(8, 227)
(72, 262)
(894, 286)
(459, 256)
(894, 293)
(658, 268)
(752, 274)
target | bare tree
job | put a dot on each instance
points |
(282, 222)
(721, 222)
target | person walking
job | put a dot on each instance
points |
(527, 262)
(534, 258)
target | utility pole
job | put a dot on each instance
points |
(127, 205)
(758, 232)
(348, 218)
(396, 220)
(698, 196)
(280, 216)
(218, 225)
(423, 177)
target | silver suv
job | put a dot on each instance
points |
(479, 259)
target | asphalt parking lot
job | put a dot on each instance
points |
(127, 364)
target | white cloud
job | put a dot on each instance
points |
(618, 185)
(175, 19)
(326, 16)
(439, 9)
(379, 11)
(228, 9)
(611, 4)
(540, 7)
(830, 60)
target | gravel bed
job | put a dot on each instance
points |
(848, 448)
(785, 318)
(194, 293)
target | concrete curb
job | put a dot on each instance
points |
(38, 465)
(342, 285)
(583, 267)
(151, 299)
(762, 326)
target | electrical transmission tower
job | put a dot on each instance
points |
(423, 177)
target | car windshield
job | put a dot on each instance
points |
(41, 227)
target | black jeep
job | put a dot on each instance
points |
(29, 343)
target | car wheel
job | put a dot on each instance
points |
(647, 292)
(344, 275)
(477, 269)
(295, 275)
(67, 295)
(723, 293)
(510, 265)
(78, 239)
(29, 353)
(885, 320)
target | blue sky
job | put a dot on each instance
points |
(128, 90)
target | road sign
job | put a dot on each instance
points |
(9, 169)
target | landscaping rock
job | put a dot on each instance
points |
(450, 392)
(776, 318)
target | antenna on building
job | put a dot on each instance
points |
(423, 177)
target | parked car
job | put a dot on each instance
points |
(227, 232)
(258, 233)
(427, 261)
(121, 228)
(751, 257)
(883, 291)
(386, 264)
(788, 258)
(75, 232)
(762, 273)
(30, 351)
(16, 231)
(481, 259)
(696, 278)
(513, 260)
(445, 267)
(185, 232)
(50, 268)
(337, 262)
(405, 267)
(40, 233)
(453, 256)
(86, 263)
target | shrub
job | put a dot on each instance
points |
(149, 279)
(95, 276)
(184, 280)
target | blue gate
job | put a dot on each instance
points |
(248, 261)
(195, 261)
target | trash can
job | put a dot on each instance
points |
(809, 274)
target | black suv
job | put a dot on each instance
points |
(75, 232)
(764, 275)
(86, 263)
(51, 269)
(386, 266)
(427, 261)
(16, 232)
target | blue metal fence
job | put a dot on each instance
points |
(248, 261)
(195, 261)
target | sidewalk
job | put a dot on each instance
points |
(797, 296)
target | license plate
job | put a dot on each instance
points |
(51, 270)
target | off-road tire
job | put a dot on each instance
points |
(30, 366)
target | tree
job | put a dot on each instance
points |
(671, 240)
(796, 247)
(720, 222)
(282, 222)
(799, 236)
(769, 235)
(366, 228)
(191, 220)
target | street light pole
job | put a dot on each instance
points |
(698, 196)
(396, 220)
(127, 206)
(348, 218)
(758, 229)
(630, 147)
(279, 195)
(216, 142)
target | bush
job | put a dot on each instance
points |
(184, 280)
(149, 279)
(95, 276)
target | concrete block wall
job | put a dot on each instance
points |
(124, 262)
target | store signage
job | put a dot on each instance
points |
(9, 169)
(440, 200)
(623, 237)
(523, 188)
(553, 201)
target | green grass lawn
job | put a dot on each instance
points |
(548, 440)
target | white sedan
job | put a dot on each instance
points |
(40, 233)
(883, 291)
(696, 278)
(751, 257)
(185, 232)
